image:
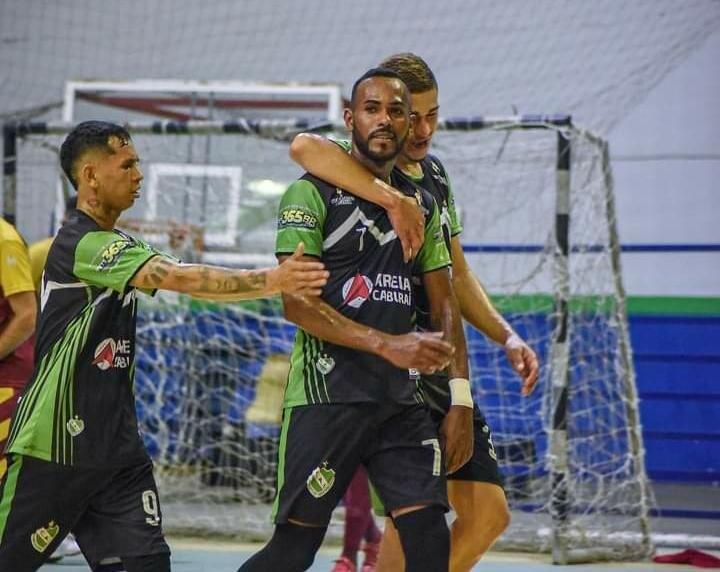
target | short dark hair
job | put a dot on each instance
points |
(413, 70)
(85, 136)
(373, 72)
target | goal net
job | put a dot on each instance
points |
(536, 201)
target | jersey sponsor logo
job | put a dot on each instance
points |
(392, 288)
(321, 480)
(325, 364)
(356, 290)
(75, 426)
(386, 288)
(298, 217)
(43, 536)
(112, 353)
(112, 252)
(340, 198)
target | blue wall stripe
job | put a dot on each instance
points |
(579, 248)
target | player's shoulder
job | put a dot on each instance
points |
(408, 186)
(307, 185)
(9, 234)
(434, 167)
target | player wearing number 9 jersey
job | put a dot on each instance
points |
(77, 461)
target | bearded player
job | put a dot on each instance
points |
(475, 490)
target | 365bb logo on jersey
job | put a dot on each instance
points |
(297, 216)
(112, 353)
(111, 253)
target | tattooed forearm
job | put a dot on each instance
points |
(158, 270)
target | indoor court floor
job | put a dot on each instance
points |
(215, 556)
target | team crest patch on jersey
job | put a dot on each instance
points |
(340, 198)
(325, 364)
(75, 426)
(43, 537)
(321, 480)
(356, 290)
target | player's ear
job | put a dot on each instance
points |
(348, 117)
(88, 174)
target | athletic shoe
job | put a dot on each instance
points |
(344, 564)
(371, 550)
(68, 547)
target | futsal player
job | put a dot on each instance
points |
(350, 398)
(77, 461)
(475, 491)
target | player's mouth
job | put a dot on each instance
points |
(421, 145)
(383, 135)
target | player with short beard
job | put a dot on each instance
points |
(475, 491)
(343, 405)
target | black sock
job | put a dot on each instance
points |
(292, 548)
(425, 539)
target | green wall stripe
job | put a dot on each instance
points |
(637, 305)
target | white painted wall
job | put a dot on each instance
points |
(675, 198)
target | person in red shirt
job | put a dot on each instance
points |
(18, 310)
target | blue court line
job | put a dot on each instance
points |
(590, 248)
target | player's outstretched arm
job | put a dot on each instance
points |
(457, 427)
(477, 309)
(426, 352)
(297, 274)
(329, 162)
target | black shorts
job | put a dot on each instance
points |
(483, 465)
(321, 447)
(112, 512)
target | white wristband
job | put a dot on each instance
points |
(460, 393)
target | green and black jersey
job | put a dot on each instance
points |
(79, 408)
(435, 180)
(369, 283)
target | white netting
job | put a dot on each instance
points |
(594, 60)
(210, 377)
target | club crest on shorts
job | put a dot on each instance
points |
(325, 364)
(43, 536)
(75, 426)
(321, 481)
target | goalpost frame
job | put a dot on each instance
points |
(560, 352)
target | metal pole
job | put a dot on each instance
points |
(560, 502)
(632, 404)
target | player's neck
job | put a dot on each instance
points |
(409, 167)
(381, 170)
(104, 217)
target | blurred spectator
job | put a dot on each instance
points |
(18, 310)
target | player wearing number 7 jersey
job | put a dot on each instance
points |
(77, 461)
(351, 399)
(474, 491)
